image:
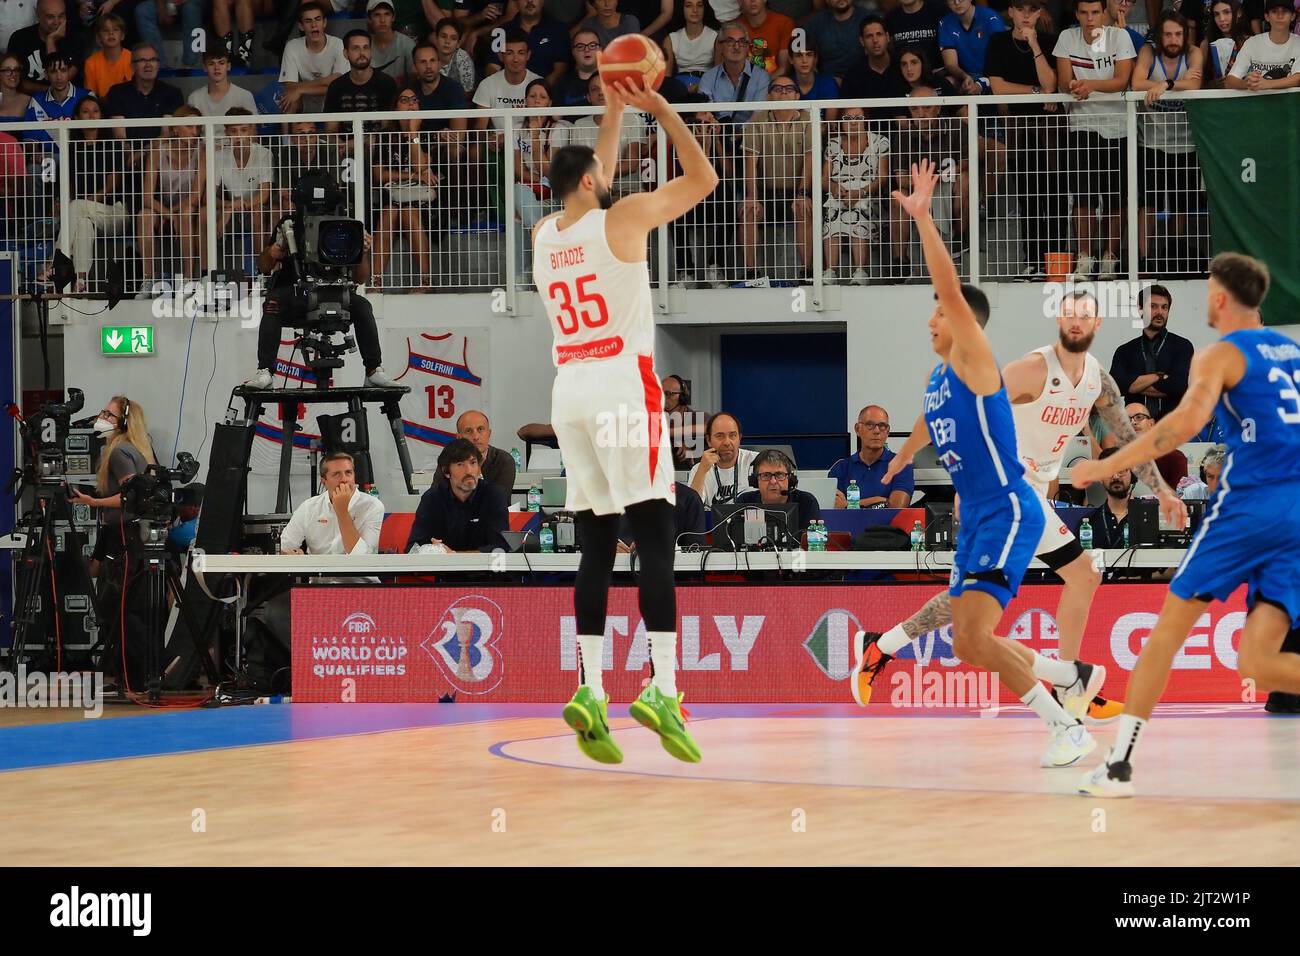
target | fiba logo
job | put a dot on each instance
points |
(464, 644)
(358, 622)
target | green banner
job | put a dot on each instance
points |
(126, 340)
(1249, 150)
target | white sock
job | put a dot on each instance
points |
(893, 640)
(663, 654)
(1060, 673)
(1130, 727)
(592, 648)
(1045, 706)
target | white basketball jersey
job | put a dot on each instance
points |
(599, 305)
(1045, 426)
(442, 387)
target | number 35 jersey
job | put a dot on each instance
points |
(1261, 413)
(599, 305)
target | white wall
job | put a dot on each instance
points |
(888, 355)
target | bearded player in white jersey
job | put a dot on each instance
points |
(589, 265)
(1053, 391)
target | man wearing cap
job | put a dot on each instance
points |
(59, 102)
(548, 43)
(1269, 61)
(390, 51)
(49, 34)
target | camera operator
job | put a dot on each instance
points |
(285, 308)
(189, 503)
(126, 453)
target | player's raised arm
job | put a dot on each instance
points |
(1214, 369)
(972, 357)
(611, 128)
(679, 195)
(919, 438)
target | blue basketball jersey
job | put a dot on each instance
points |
(974, 436)
(1260, 415)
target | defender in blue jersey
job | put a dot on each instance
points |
(967, 416)
(1250, 378)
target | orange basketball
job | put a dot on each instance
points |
(632, 59)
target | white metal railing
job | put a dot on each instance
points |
(1017, 189)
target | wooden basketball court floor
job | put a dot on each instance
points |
(487, 784)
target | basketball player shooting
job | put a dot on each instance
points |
(967, 414)
(589, 265)
(1249, 379)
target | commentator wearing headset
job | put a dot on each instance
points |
(773, 481)
(126, 452)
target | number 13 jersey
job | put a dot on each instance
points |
(599, 305)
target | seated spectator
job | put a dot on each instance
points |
(362, 89)
(705, 234)
(219, 96)
(58, 102)
(548, 43)
(97, 170)
(773, 471)
(456, 63)
(302, 148)
(476, 19)
(634, 143)
(769, 36)
(246, 14)
(537, 137)
(14, 17)
(409, 188)
(464, 513)
(609, 23)
(735, 79)
(172, 197)
(811, 84)
(1111, 517)
(189, 505)
(49, 34)
(653, 15)
(869, 465)
(688, 519)
(311, 62)
(917, 71)
(573, 87)
(876, 76)
(243, 169)
(964, 36)
(1152, 369)
(856, 174)
(152, 18)
(439, 92)
(925, 134)
(339, 520)
(390, 51)
(1224, 36)
(685, 425)
(13, 101)
(1172, 465)
(834, 31)
(1169, 172)
(723, 470)
(498, 467)
(1269, 61)
(1093, 59)
(691, 51)
(916, 23)
(507, 88)
(1208, 472)
(777, 150)
(110, 64)
(1117, 14)
(145, 97)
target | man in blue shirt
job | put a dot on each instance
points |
(548, 43)
(834, 31)
(735, 79)
(869, 465)
(59, 102)
(189, 504)
(964, 36)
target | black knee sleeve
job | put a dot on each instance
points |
(599, 537)
(654, 533)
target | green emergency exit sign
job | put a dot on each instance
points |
(126, 340)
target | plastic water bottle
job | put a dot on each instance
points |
(815, 540)
(854, 495)
(1125, 534)
(547, 538)
(918, 536)
(519, 459)
(1085, 535)
(534, 499)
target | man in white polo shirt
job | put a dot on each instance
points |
(339, 520)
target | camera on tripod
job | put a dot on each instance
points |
(150, 498)
(48, 432)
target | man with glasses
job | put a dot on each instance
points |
(49, 34)
(869, 465)
(1153, 367)
(142, 98)
(736, 79)
(773, 470)
(777, 151)
(1173, 464)
(572, 90)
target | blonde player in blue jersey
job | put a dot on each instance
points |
(967, 416)
(1250, 378)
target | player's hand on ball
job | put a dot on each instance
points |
(917, 204)
(1086, 472)
(642, 100)
(1173, 509)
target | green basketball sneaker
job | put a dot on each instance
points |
(663, 715)
(589, 719)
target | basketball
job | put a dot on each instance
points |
(634, 60)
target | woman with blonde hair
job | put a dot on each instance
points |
(127, 452)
